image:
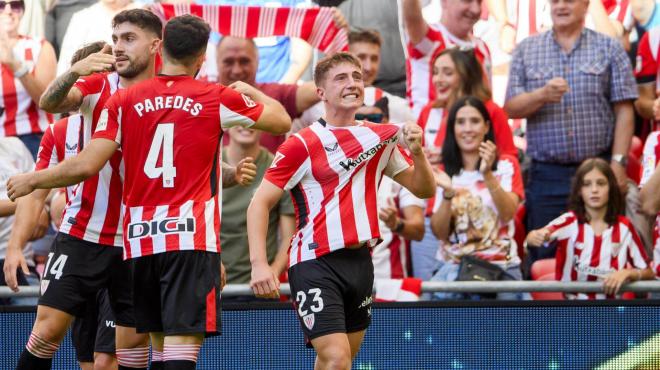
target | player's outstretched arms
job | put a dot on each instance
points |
(26, 218)
(419, 178)
(61, 96)
(72, 171)
(264, 282)
(274, 118)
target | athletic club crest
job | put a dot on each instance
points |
(309, 321)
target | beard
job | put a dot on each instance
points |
(134, 68)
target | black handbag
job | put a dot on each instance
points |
(476, 269)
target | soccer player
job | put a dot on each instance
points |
(169, 130)
(87, 254)
(333, 169)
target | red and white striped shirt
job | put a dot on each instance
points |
(584, 256)
(93, 212)
(333, 175)
(390, 256)
(19, 114)
(650, 158)
(169, 129)
(62, 139)
(419, 68)
(646, 67)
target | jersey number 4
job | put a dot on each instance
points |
(163, 142)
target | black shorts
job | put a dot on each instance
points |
(177, 293)
(333, 293)
(77, 270)
(94, 332)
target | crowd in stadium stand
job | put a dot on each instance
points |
(516, 99)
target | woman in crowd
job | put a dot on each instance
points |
(456, 74)
(595, 242)
(477, 196)
(27, 67)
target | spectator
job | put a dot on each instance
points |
(646, 73)
(281, 59)
(238, 61)
(425, 41)
(366, 46)
(244, 143)
(383, 17)
(27, 67)
(646, 13)
(401, 214)
(650, 197)
(14, 159)
(89, 25)
(595, 227)
(477, 196)
(59, 13)
(456, 74)
(575, 88)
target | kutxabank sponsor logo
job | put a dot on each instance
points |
(364, 156)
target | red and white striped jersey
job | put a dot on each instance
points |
(93, 212)
(390, 256)
(62, 139)
(432, 121)
(19, 114)
(584, 256)
(650, 160)
(169, 130)
(419, 68)
(333, 175)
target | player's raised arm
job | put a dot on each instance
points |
(72, 171)
(274, 118)
(419, 178)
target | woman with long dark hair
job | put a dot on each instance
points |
(456, 74)
(477, 196)
(595, 241)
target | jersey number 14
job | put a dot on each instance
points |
(162, 142)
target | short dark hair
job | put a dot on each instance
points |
(185, 37)
(615, 205)
(383, 105)
(142, 18)
(452, 158)
(87, 50)
(368, 36)
(327, 63)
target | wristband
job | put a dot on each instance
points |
(399, 226)
(22, 71)
(448, 195)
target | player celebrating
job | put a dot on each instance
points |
(83, 259)
(333, 169)
(170, 128)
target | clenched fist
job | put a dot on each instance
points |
(246, 171)
(412, 135)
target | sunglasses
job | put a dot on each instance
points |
(16, 6)
(373, 117)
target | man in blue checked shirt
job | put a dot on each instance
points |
(576, 89)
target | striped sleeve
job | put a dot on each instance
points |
(564, 226)
(399, 162)
(649, 157)
(109, 124)
(431, 41)
(238, 109)
(47, 156)
(289, 165)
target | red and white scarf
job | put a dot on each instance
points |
(314, 25)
